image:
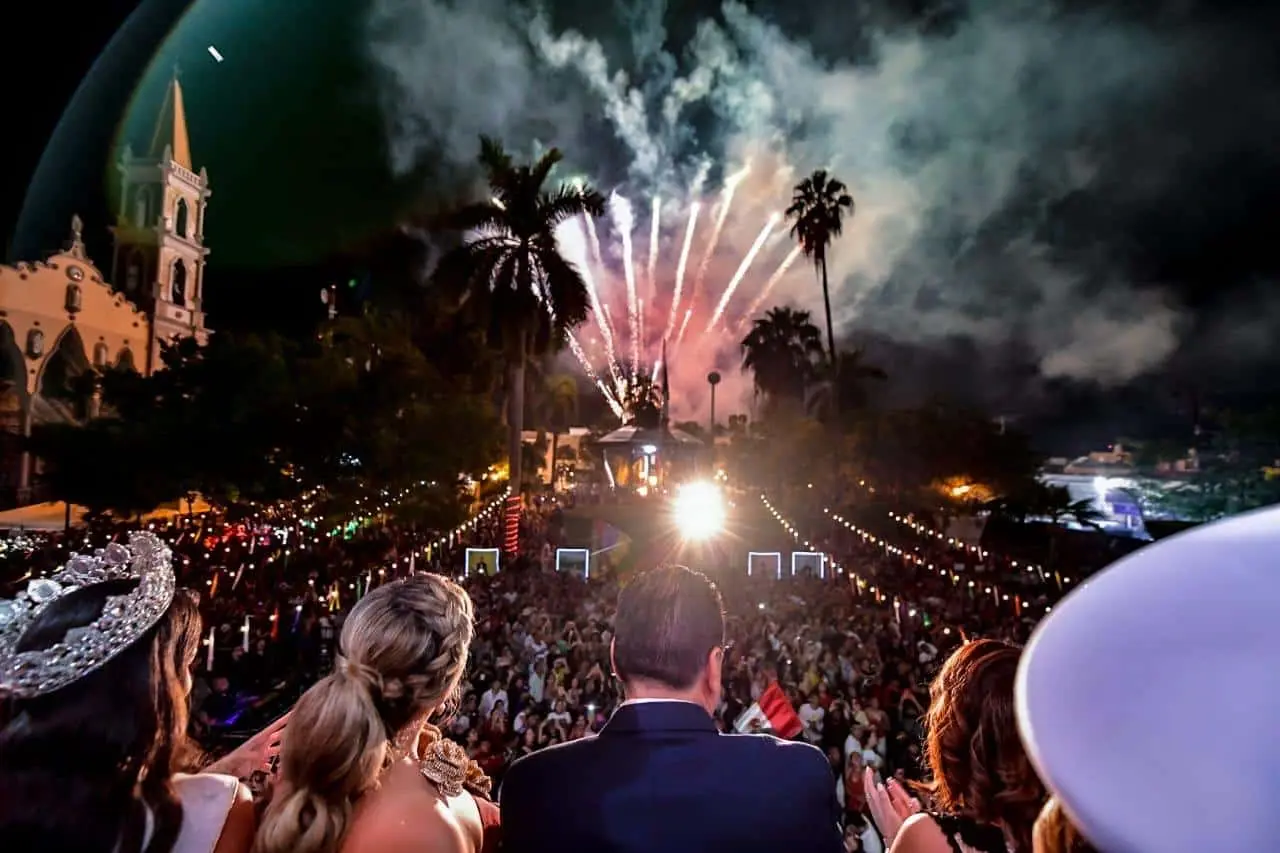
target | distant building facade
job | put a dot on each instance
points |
(62, 322)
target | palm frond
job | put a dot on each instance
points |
(541, 170)
(569, 201)
(493, 157)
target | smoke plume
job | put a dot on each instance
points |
(986, 152)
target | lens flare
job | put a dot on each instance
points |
(699, 510)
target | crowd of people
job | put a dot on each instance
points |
(854, 665)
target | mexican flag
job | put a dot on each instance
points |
(771, 712)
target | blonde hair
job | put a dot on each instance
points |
(1055, 833)
(402, 653)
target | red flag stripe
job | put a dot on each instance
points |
(782, 717)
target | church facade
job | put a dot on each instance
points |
(63, 322)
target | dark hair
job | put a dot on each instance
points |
(80, 766)
(980, 768)
(668, 619)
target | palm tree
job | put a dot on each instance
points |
(561, 402)
(817, 210)
(642, 402)
(782, 350)
(509, 270)
(846, 390)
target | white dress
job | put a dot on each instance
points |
(206, 801)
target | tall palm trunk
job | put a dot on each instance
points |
(831, 341)
(826, 303)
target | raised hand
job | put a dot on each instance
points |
(257, 753)
(890, 805)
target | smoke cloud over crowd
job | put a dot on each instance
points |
(998, 154)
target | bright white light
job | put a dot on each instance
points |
(213, 51)
(699, 510)
(649, 449)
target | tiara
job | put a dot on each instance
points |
(124, 618)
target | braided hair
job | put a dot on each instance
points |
(402, 654)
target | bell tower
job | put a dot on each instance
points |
(159, 256)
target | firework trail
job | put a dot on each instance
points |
(684, 324)
(681, 267)
(742, 270)
(781, 271)
(609, 397)
(726, 201)
(595, 240)
(624, 221)
(654, 235)
(573, 245)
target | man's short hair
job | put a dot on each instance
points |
(668, 620)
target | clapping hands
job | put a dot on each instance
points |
(890, 805)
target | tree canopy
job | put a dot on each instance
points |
(259, 418)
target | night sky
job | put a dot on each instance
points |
(1065, 218)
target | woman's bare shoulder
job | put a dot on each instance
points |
(407, 833)
(405, 816)
(921, 834)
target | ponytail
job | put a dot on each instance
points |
(324, 772)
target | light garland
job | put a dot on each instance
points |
(858, 583)
(927, 532)
(999, 596)
(930, 533)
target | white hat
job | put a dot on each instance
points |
(1149, 699)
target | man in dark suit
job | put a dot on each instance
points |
(660, 777)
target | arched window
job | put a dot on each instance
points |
(125, 361)
(178, 289)
(182, 218)
(100, 355)
(133, 272)
(73, 297)
(35, 343)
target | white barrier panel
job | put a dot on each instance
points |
(576, 560)
(811, 561)
(764, 563)
(482, 561)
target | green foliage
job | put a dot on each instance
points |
(508, 276)
(642, 402)
(902, 453)
(783, 351)
(818, 207)
(260, 418)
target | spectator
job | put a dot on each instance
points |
(371, 774)
(658, 777)
(984, 790)
(89, 758)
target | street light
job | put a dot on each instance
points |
(713, 379)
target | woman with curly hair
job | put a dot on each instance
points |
(984, 794)
(365, 770)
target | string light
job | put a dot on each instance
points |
(998, 595)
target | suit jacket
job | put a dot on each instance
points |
(660, 778)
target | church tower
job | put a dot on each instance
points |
(159, 256)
